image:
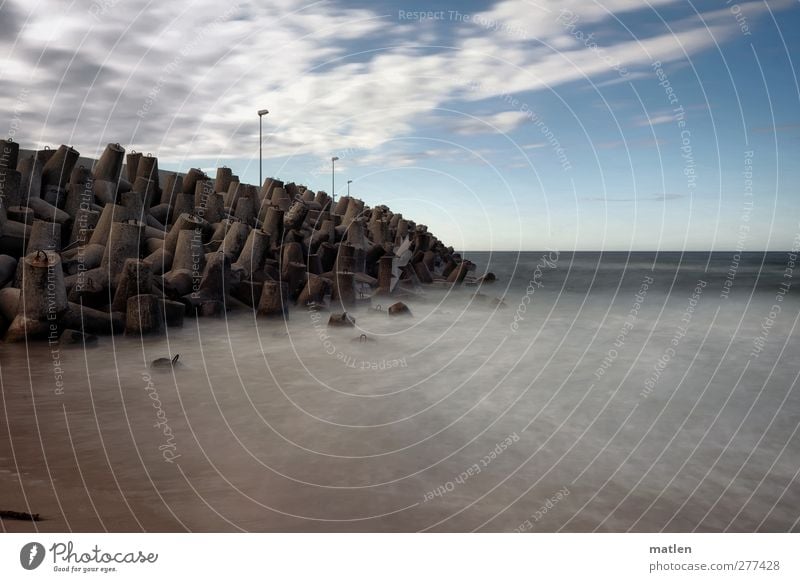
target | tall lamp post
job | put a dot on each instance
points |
(261, 113)
(348, 187)
(333, 178)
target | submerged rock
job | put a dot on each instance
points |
(19, 515)
(341, 320)
(399, 308)
(165, 362)
(72, 336)
(488, 278)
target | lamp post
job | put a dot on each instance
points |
(261, 113)
(333, 178)
(348, 187)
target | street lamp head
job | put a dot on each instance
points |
(262, 112)
(349, 181)
(334, 158)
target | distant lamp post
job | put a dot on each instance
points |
(261, 113)
(348, 187)
(333, 177)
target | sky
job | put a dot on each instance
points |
(509, 125)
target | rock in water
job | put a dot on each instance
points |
(73, 336)
(165, 362)
(19, 515)
(341, 320)
(487, 278)
(399, 308)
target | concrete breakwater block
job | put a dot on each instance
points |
(115, 245)
(249, 292)
(315, 289)
(8, 266)
(45, 236)
(344, 289)
(399, 308)
(124, 242)
(173, 312)
(256, 250)
(57, 170)
(143, 315)
(43, 299)
(296, 215)
(73, 336)
(459, 273)
(245, 211)
(109, 165)
(274, 299)
(422, 272)
(136, 279)
(94, 321)
(341, 320)
(21, 214)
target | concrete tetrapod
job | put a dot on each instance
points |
(273, 300)
(43, 299)
(285, 241)
(143, 315)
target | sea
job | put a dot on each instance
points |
(578, 392)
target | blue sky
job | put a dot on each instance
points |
(506, 125)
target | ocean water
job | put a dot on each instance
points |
(579, 392)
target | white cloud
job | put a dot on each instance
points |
(333, 78)
(658, 119)
(502, 122)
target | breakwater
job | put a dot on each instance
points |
(116, 245)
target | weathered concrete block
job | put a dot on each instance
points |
(132, 165)
(256, 250)
(296, 215)
(249, 292)
(143, 315)
(75, 337)
(245, 210)
(458, 274)
(314, 291)
(423, 274)
(235, 239)
(9, 154)
(21, 214)
(58, 168)
(94, 321)
(31, 170)
(173, 312)
(136, 278)
(344, 290)
(109, 165)
(272, 223)
(44, 294)
(274, 299)
(45, 236)
(8, 266)
(399, 308)
(223, 179)
(124, 242)
(10, 187)
(341, 320)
